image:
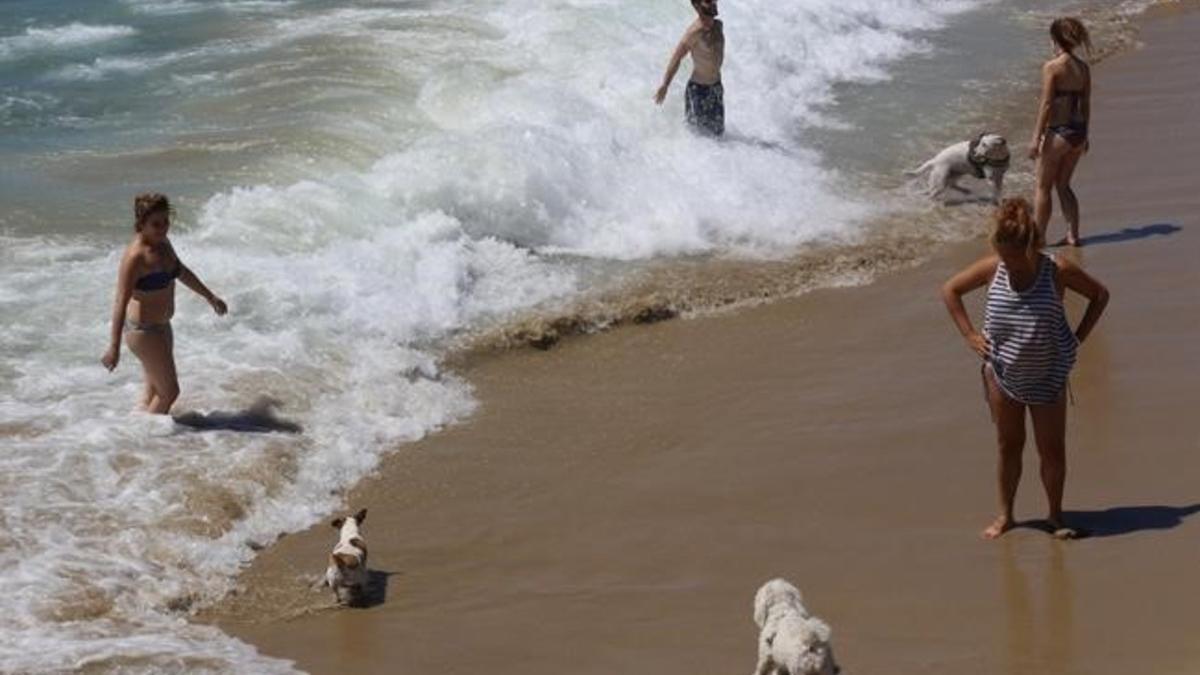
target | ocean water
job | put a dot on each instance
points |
(364, 182)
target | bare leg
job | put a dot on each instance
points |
(148, 393)
(156, 350)
(1048, 166)
(1066, 196)
(1050, 433)
(1009, 417)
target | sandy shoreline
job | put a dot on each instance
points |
(617, 501)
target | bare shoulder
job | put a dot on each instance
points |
(1061, 65)
(976, 274)
(1053, 67)
(985, 268)
(135, 254)
(133, 259)
(988, 262)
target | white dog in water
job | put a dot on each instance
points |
(985, 157)
(790, 640)
(347, 571)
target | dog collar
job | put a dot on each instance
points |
(978, 163)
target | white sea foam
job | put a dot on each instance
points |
(103, 67)
(167, 7)
(529, 141)
(24, 106)
(59, 38)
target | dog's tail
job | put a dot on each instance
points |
(919, 170)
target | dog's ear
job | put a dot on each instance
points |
(337, 523)
(361, 516)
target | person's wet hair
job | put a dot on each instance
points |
(148, 204)
(1069, 34)
(1013, 227)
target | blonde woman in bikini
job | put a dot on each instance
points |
(145, 302)
(1060, 135)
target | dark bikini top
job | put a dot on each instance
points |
(156, 281)
(1075, 96)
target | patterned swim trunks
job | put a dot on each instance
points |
(705, 108)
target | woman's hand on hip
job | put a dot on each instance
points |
(979, 344)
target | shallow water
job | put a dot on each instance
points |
(363, 184)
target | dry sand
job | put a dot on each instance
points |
(618, 500)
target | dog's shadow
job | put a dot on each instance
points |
(259, 418)
(375, 592)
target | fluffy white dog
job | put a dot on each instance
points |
(347, 571)
(790, 640)
(985, 157)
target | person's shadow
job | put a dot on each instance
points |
(259, 418)
(1122, 520)
(1131, 233)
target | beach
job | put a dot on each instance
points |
(595, 377)
(614, 502)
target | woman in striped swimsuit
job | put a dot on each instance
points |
(1028, 349)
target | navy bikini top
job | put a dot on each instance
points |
(1075, 96)
(156, 281)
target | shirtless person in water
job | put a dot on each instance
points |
(705, 41)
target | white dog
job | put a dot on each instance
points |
(986, 157)
(347, 571)
(790, 641)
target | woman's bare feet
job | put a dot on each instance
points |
(998, 527)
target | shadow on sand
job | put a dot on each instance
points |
(259, 418)
(1132, 233)
(375, 592)
(1121, 520)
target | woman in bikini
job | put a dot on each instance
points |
(1028, 349)
(1060, 135)
(145, 302)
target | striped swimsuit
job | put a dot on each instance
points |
(1032, 345)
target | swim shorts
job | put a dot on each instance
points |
(705, 108)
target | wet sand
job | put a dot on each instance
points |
(617, 501)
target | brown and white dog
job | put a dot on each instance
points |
(347, 571)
